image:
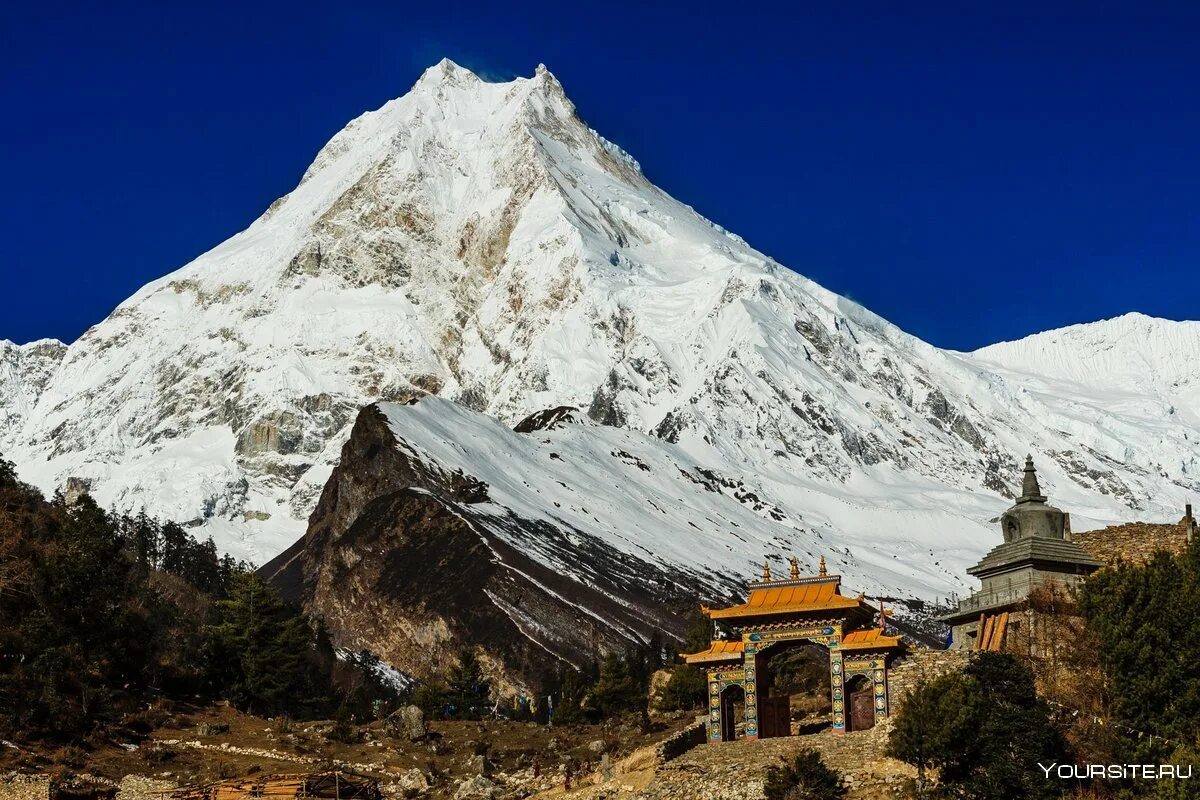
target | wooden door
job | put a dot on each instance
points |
(862, 709)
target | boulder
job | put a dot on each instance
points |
(477, 787)
(409, 783)
(407, 723)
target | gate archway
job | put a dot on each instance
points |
(794, 687)
(780, 614)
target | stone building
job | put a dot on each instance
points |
(1038, 552)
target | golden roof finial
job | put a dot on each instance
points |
(795, 562)
(766, 576)
(822, 568)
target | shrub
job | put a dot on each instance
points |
(158, 754)
(805, 778)
(343, 728)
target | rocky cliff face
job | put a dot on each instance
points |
(480, 242)
(414, 562)
(24, 372)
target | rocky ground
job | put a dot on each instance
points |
(437, 759)
(461, 760)
(736, 770)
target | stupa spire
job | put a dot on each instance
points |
(1031, 491)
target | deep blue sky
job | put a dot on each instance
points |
(972, 177)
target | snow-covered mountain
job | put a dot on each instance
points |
(479, 242)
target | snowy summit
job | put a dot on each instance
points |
(479, 242)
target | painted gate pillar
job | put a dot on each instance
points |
(837, 687)
(714, 708)
(751, 654)
(879, 678)
(874, 668)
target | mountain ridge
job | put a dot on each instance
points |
(480, 242)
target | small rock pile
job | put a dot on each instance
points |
(15, 786)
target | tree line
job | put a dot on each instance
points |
(103, 615)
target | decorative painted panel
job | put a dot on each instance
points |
(837, 684)
(751, 684)
(862, 666)
(714, 708)
(828, 635)
(881, 692)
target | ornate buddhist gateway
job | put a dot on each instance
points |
(794, 610)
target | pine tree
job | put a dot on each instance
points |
(617, 691)
(144, 536)
(699, 633)
(935, 715)
(574, 703)
(686, 690)
(981, 730)
(1148, 646)
(467, 685)
(261, 651)
(8, 475)
(174, 545)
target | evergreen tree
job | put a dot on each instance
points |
(143, 534)
(467, 685)
(656, 652)
(935, 716)
(262, 651)
(1149, 645)
(574, 703)
(81, 629)
(87, 628)
(8, 475)
(699, 633)
(174, 545)
(984, 730)
(617, 691)
(686, 690)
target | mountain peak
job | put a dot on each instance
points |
(477, 241)
(447, 72)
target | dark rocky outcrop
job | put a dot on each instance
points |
(404, 559)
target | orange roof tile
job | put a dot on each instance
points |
(721, 650)
(769, 599)
(872, 639)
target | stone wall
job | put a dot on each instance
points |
(917, 667)
(679, 743)
(1135, 541)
